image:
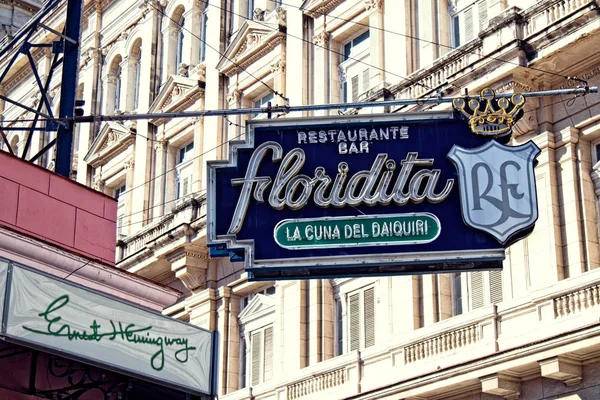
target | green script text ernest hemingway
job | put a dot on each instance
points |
(129, 333)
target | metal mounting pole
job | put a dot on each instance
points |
(285, 109)
(70, 72)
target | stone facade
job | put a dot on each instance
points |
(529, 332)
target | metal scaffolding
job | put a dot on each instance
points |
(67, 45)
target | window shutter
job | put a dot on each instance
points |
(339, 328)
(477, 290)
(354, 87)
(268, 353)
(456, 29)
(256, 343)
(457, 294)
(366, 80)
(468, 24)
(354, 321)
(495, 286)
(482, 7)
(185, 186)
(369, 310)
(243, 362)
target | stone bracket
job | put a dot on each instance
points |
(190, 264)
(563, 369)
(501, 385)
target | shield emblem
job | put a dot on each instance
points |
(497, 187)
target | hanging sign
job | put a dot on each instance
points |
(367, 195)
(79, 323)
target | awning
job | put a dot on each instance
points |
(48, 314)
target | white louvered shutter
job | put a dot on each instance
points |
(482, 7)
(354, 87)
(354, 321)
(268, 353)
(495, 287)
(366, 80)
(339, 328)
(256, 343)
(369, 312)
(469, 25)
(477, 298)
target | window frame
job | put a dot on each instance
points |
(184, 170)
(355, 52)
(342, 300)
(179, 46)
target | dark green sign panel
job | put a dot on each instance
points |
(363, 230)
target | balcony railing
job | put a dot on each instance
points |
(572, 303)
(184, 212)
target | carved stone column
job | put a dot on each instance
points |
(321, 61)
(376, 42)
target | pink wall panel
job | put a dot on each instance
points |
(64, 190)
(9, 195)
(49, 217)
(41, 204)
(95, 235)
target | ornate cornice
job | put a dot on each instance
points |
(318, 8)
(250, 56)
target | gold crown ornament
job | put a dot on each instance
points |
(491, 116)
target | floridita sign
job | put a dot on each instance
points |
(375, 194)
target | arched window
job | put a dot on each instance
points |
(135, 72)
(203, 28)
(113, 81)
(118, 82)
(180, 42)
(136, 89)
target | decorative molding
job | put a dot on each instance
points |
(258, 14)
(278, 66)
(183, 70)
(564, 369)
(322, 39)
(321, 7)
(501, 385)
(281, 16)
(128, 165)
(160, 145)
(98, 184)
(372, 5)
(234, 97)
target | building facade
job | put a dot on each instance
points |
(529, 332)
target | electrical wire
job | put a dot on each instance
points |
(325, 48)
(275, 92)
(232, 123)
(426, 41)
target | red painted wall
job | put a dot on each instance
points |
(44, 205)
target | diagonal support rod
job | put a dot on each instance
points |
(54, 65)
(41, 86)
(57, 33)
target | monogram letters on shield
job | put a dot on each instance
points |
(497, 187)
